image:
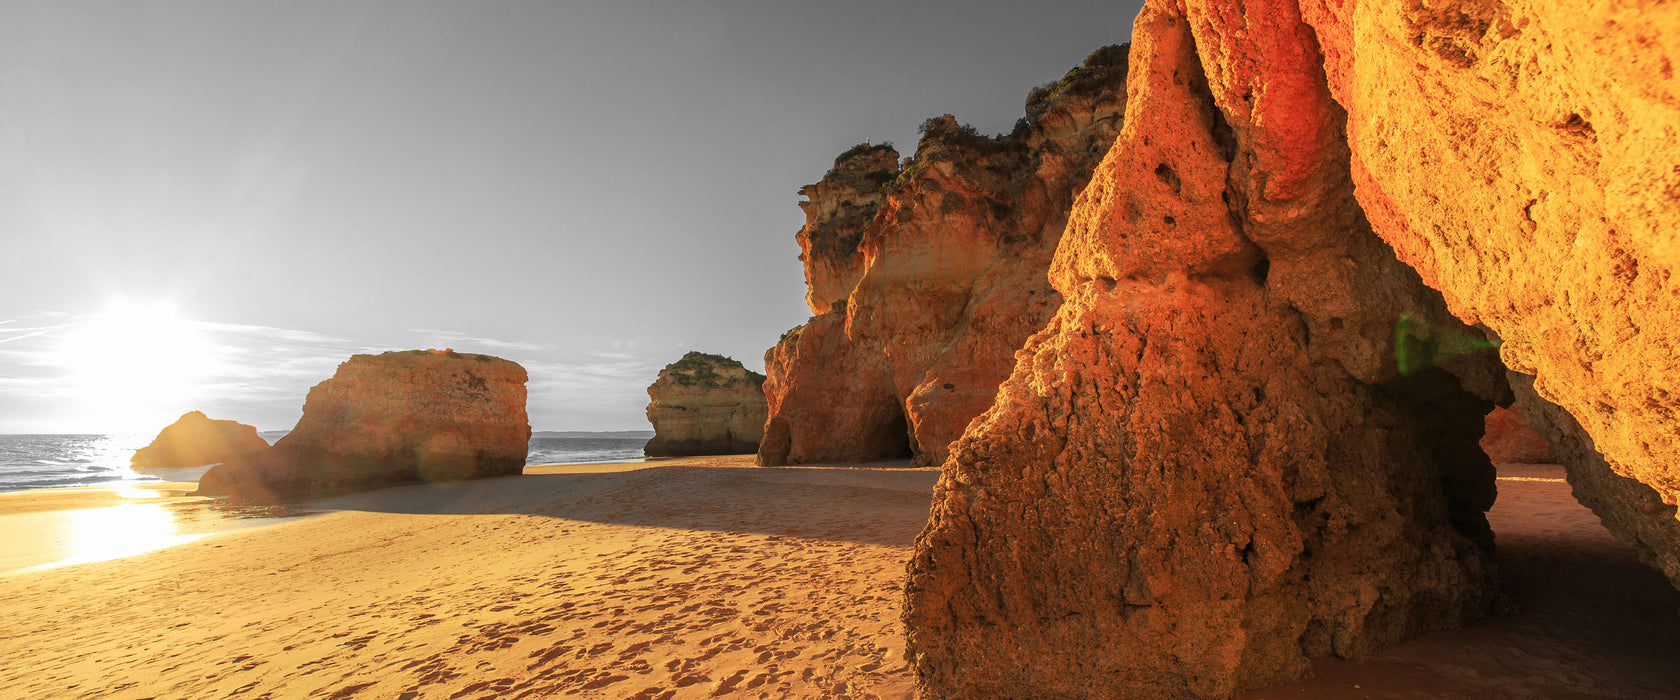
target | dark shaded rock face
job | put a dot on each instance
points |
(194, 441)
(925, 281)
(393, 418)
(705, 405)
(1209, 468)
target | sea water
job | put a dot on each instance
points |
(57, 461)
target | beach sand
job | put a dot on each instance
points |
(683, 578)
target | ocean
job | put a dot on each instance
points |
(57, 461)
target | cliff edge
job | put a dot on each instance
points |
(925, 279)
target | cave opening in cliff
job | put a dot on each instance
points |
(896, 435)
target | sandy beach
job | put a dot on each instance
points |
(695, 577)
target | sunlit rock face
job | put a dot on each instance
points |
(195, 440)
(393, 418)
(1208, 468)
(925, 285)
(705, 405)
(837, 210)
(1507, 437)
(1522, 156)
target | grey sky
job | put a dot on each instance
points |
(587, 188)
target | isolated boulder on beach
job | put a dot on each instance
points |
(393, 418)
(705, 405)
(195, 440)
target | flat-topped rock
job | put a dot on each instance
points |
(393, 418)
(705, 405)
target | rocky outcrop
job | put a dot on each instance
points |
(195, 441)
(705, 405)
(1507, 437)
(1246, 439)
(393, 418)
(1522, 157)
(837, 210)
(925, 280)
(1629, 509)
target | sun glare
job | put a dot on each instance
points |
(137, 367)
(98, 534)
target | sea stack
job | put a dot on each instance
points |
(925, 280)
(195, 440)
(705, 405)
(393, 418)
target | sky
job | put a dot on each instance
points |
(209, 205)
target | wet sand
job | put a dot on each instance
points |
(693, 578)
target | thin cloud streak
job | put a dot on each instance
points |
(452, 339)
(29, 332)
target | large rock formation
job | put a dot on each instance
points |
(393, 418)
(1209, 467)
(926, 280)
(705, 405)
(195, 441)
(1522, 156)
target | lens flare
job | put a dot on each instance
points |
(137, 367)
(1420, 344)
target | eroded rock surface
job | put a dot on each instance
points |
(837, 210)
(393, 418)
(705, 405)
(195, 440)
(1522, 156)
(925, 281)
(1208, 468)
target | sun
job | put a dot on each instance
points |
(137, 367)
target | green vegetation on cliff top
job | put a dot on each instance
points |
(696, 366)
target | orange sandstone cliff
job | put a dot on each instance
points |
(705, 405)
(1209, 467)
(925, 280)
(393, 418)
(1248, 437)
(195, 440)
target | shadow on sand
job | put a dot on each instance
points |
(881, 503)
